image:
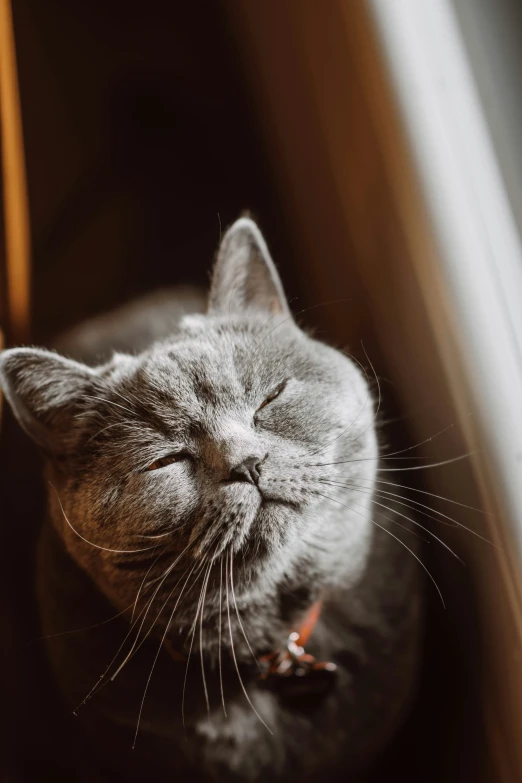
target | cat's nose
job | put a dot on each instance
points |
(246, 470)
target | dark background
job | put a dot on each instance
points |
(141, 145)
(142, 141)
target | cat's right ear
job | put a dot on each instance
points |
(46, 392)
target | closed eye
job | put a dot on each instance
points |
(277, 391)
(168, 459)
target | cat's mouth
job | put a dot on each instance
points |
(278, 501)
(266, 496)
(269, 498)
(243, 514)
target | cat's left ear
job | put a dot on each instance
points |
(244, 276)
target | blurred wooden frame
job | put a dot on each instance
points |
(360, 226)
(15, 299)
(15, 274)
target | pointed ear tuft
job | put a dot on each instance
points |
(244, 276)
(45, 392)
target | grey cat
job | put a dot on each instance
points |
(211, 490)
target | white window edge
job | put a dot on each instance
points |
(479, 257)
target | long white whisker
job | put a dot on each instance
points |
(194, 626)
(158, 652)
(219, 636)
(160, 535)
(136, 646)
(425, 467)
(389, 470)
(234, 653)
(143, 582)
(423, 492)
(201, 637)
(409, 519)
(422, 442)
(238, 615)
(85, 628)
(143, 614)
(97, 546)
(395, 537)
(393, 521)
(95, 687)
(417, 506)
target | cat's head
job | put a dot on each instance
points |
(240, 440)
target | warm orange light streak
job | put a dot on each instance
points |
(16, 213)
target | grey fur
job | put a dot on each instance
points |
(306, 531)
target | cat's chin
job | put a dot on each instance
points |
(269, 531)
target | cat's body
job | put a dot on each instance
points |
(226, 474)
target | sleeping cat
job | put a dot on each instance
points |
(210, 512)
